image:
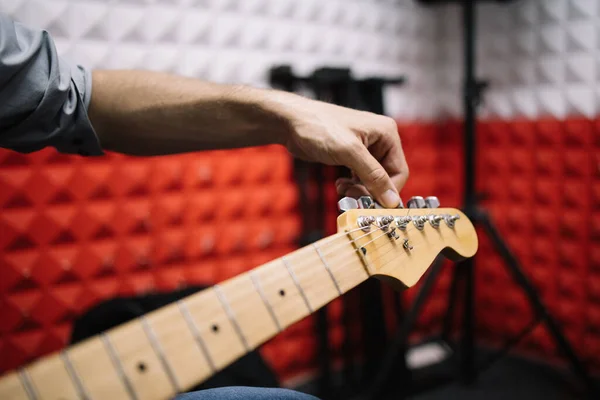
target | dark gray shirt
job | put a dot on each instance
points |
(43, 97)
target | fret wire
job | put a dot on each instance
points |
(27, 384)
(231, 315)
(64, 355)
(335, 282)
(196, 333)
(263, 296)
(118, 366)
(160, 353)
(297, 282)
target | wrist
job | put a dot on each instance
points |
(284, 108)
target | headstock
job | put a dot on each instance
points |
(398, 245)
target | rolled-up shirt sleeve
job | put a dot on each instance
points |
(43, 97)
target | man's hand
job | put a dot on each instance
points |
(150, 113)
(366, 143)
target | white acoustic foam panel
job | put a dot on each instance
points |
(237, 41)
(540, 57)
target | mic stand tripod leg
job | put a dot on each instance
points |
(400, 343)
(553, 328)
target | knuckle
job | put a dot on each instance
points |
(389, 124)
(377, 177)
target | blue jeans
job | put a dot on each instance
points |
(245, 393)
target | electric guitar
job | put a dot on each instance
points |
(174, 348)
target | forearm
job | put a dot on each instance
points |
(151, 113)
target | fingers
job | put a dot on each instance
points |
(372, 174)
(389, 152)
(349, 187)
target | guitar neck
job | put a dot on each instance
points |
(179, 346)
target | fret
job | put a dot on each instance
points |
(27, 385)
(263, 296)
(139, 361)
(96, 371)
(73, 374)
(231, 316)
(248, 309)
(335, 282)
(312, 277)
(119, 366)
(345, 264)
(159, 353)
(196, 333)
(13, 386)
(297, 283)
(178, 345)
(222, 341)
(50, 380)
(285, 297)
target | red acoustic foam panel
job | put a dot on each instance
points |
(540, 182)
(76, 231)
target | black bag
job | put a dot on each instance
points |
(249, 370)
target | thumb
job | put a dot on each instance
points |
(373, 176)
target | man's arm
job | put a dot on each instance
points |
(150, 113)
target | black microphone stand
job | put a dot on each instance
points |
(465, 270)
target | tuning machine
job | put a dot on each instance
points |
(432, 202)
(347, 204)
(451, 219)
(366, 202)
(416, 202)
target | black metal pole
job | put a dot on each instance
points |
(471, 96)
(467, 268)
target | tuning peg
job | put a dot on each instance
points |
(365, 202)
(347, 203)
(432, 202)
(416, 202)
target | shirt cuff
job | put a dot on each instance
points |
(81, 139)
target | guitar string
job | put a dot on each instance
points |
(359, 228)
(245, 308)
(236, 296)
(329, 250)
(351, 255)
(343, 235)
(411, 228)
